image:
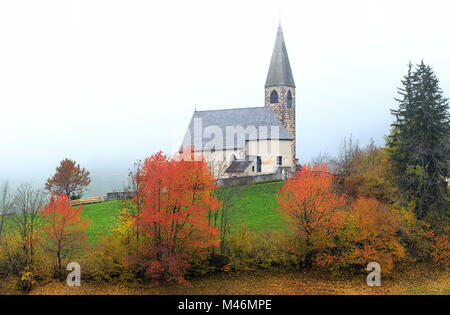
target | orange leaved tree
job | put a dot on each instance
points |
(375, 240)
(177, 200)
(311, 206)
(63, 230)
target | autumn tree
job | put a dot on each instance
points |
(322, 158)
(69, 179)
(132, 207)
(27, 202)
(346, 159)
(63, 230)
(371, 175)
(177, 196)
(311, 206)
(6, 203)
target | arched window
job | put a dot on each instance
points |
(289, 99)
(274, 97)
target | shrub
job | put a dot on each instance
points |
(369, 235)
(108, 262)
(247, 251)
(76, 196)
(440, 251)
(415, 235)
(12, 259)
(13, 262)
(26, 281)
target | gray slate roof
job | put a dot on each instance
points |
(238, 166)
(213, 129)
(280, 73)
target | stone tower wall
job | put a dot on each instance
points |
(285, 115)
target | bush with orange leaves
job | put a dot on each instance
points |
(440, 251)
(332, 236)
(375, 239)
(368, 235)
(313, 209)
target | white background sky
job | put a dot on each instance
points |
(108, 82)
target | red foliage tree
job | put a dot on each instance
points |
(69, 179)
(311, 207)
(64, 230)
(177, 199)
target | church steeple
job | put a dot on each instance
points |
(280, 87)
(280, 73)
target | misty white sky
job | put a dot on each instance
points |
(108, 82)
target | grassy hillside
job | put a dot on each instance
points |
(253, 206)
(103, 216)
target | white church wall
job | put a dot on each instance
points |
(220, 160)
(269, 150)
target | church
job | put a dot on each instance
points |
(251, 141)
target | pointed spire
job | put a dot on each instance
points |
(280, 73)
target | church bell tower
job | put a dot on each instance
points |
(280, 87)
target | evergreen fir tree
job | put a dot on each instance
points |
(419, 142)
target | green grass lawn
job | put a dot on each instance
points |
(254, 206)
(103, 217)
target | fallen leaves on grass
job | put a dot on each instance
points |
(415, 281)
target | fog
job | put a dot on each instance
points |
(109, 82)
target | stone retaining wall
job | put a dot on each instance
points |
(282, 173)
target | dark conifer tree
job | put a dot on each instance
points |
(419, 143)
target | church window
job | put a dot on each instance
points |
(280, 160)
(289, 99)
(274, 97)
(258, 164)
